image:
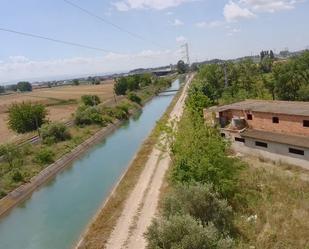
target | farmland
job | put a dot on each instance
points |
(61, 102)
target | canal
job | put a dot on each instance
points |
(56, 214)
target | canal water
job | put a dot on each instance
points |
(56, 215)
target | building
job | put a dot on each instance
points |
(276, 130)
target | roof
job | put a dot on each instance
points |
(281, 107)
(298, 141)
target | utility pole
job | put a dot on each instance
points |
(185, 52)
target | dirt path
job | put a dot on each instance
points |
(142, 203)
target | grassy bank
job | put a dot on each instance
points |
(100, 229)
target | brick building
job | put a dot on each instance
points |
(276, 130)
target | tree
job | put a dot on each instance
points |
(2, 89)
(184, 232)
(121, 86)
(75, 82)
(181, 67)
(54, 132)
(26, 116)
(24, 86)
(87, 115)
(90, 100)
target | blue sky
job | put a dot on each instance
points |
(213, 29)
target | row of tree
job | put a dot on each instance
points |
(197, 211)
(230, 82)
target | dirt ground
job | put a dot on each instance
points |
(52, 97)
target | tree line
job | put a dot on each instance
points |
(269, 79)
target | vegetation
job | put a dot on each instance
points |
(2, 89)
(26, 116)
(24, 86)
(11, 155)
(90, 100)
(75, 82)
(210, 189)
(270, 79)
(54, 132)
(182, 67)
(134, 98)
(44, 156)
(125, 85)
(183, 231)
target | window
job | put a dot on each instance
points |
(222, 134)
(261, 144)
(249, 116)
(306, 123)
(275, 120)
(296, 151)
(239, 139)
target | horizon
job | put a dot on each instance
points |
(127, 34)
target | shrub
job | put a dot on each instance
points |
(54, 132)
(17, 176)
(201, 202)
(11, 154)
(90, 100)
(44, 156)
(134, 97)
(184, 232)
(88, 115)
(25, 117)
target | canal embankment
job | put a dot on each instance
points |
(60, 210)
(102, 225)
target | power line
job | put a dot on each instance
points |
(55, 40)
(110, 23)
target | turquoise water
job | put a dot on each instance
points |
(56, 215)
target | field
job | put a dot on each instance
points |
(61, 103)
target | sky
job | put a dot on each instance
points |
(150, 33)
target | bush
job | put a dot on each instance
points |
(90, 100)
(17, 176)
(135, 98)
(54, 132)
(88, 115)
(11, 154)
(25, 117)
(184, 232)
(44, 156)
(201, 202)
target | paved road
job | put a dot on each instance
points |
(141, 205)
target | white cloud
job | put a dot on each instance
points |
(169, 13)
(181, 39)
(125, 5)
(21, 68)
(233, 12)
(270, 5)
(233, 31)
(177, 22)
(212, 24)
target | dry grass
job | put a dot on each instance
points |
(100, 230)
(61, 103)
(281, 202)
